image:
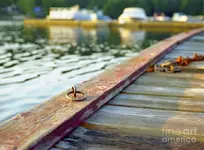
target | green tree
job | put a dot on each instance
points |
(115, 7)
(147, 5)
(97, 3)
(166, 6)
(46, 4)
(81, 3)
(4, 3)
(27, 6)
(193, 7)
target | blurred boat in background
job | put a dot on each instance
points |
(179, 17)
(132, 14)
(75, 13)
(182, 17)
(160, 16)
(196, 19)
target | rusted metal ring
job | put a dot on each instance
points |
(75, 95)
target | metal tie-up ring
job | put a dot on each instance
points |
(75, 95)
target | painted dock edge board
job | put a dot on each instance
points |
(113, 24)
(43, 126)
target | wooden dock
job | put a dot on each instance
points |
(114, 24)
(152, 112)
(144, 110)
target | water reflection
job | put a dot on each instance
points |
(65, 34)
(37, 63)
(130, 36)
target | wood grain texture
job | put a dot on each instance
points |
(166, 82)
(193, 44)
(188, 51)
(90, 139)
(183, 75)
(183, 52)
(159, 102)
(165, 91)
(144, 111)
(198, 38)
(189, 48)
(146, 122)
(46, 124)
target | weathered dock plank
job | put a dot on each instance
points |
(178, 106)
(90, 139)
(185, 52)
(165, 91)
(148, 122)
(198, 38)
(184, 55)
(188, 52)
(183, 75)
(189, 48)
(174, 82)
(193, 44)
(46, 124)
(196, 66)
(158, 102)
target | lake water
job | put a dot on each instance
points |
(37, 63)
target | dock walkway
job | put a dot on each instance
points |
(141, 110)
(151, 111)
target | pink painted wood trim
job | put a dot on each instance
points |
(43, 126)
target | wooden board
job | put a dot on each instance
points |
(189, 47)
(191, 52)
(145, 122)
(193, 44)
(46, 124)
(198, 51)
(164, 81)
(90, 139)
(183, 75)
(198, 38)
(165, 91)
(145, 110)
(158, 102)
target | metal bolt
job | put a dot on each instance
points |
(75, 95)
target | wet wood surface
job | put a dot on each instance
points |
(43, 126)
(139, 116)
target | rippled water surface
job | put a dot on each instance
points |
(37, 63)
